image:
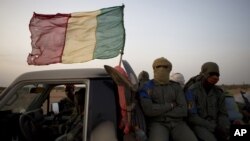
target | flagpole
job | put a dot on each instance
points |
(124, 35)
(120, 62)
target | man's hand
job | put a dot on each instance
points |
(173, 104)
(211, 126)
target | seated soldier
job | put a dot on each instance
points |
(143, 77)
(164, 106)
(66, 105)
(208, 115)
(72, 129)
(179, 78)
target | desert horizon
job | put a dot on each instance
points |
(232, 89)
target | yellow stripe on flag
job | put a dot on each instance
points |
(80, 37)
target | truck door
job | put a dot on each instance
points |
(103, 104)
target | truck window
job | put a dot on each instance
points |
(23, 97)
(63, 96)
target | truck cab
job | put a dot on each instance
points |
(30, 107)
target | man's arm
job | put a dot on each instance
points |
(150, 108)
(180, 106)
(193, 116)
(223, 119)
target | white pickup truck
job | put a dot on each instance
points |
(30, 107)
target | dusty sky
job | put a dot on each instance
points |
(187, 32)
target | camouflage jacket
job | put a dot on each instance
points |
(157, 100)
(206, 109)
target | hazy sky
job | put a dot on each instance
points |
(187, 32)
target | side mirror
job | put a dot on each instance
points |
(55, 108)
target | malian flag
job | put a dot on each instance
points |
(76, 37)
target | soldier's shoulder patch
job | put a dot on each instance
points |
(190, 104)
(150, 92)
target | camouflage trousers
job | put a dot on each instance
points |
(163, 132)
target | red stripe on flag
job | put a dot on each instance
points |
(48, 34)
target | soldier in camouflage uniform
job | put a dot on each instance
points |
(179, 78)
(164, 105)
(66, 105)
(143, 77)
(206, 106)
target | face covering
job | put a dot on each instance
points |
(213, 79)
(210, 82)
(208, 68)
(161, 75)
(162, 68)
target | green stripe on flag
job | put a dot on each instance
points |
(110, 33)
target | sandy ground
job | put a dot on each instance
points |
(237, 95)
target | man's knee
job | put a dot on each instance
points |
(158, 132)
(204, 134)
(182, 132)
(104, 132)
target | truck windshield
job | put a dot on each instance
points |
(22, 98)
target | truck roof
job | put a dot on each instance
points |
(58, 74)
(63, 74)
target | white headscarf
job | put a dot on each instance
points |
(178, 77)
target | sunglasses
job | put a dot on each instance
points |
(161, 66)
(214, 73)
